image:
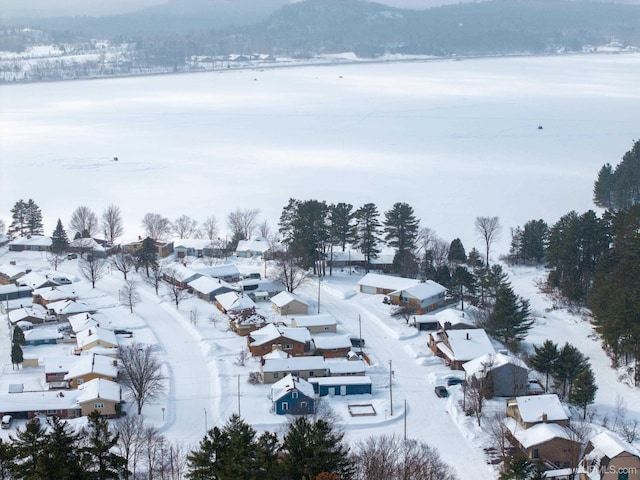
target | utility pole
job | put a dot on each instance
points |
(318, 289)
(206, 429)
(238, 395)
(390, 390)
(360, 332)
(405, 420)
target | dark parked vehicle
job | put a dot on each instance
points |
(454, 381)
(441, 391)
(357, 342)
(118, 331)
(72, 256)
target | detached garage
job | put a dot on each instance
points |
(353, 385)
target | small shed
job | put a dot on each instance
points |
(286, 303)
(350, 385)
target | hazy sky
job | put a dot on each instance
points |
(42, 8)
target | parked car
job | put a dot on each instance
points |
(535, 388)
(455, 381)
(7, 420)
(357, 342)
(441, 391)
(72, 256)
(119, 331)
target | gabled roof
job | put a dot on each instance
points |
(90, 335)
(97, 364)
(87, 243)
(11, 271)
(537, 434)
(83, 321)
(32, 240)
(294, 364)
(41, 334)
(322, 319)
(34, 311)
(215, 271)
(195, 243)
(489, 362)
(387, 282)
(181, 273)
(208, 285)
(291, 383)
(270, 332)
(422, 291)
(258, 244)
(466, 345)
(285, 298)
(59, 364)
(99, 389)
(275, 354)
(532, 407)
(231, 301)
(609, 445)
(34, 280)
(51, 294)
(68, 307)
(265, 285)
(341, 366)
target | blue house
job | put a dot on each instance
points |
(293, 396)
(351, 385)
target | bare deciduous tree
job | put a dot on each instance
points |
(112, 226)
(130, 430)
(286, 271)
(55, 259)
(242, 223)
(83, 222)
(123, 262)
(92, 269)
(176, 292)
(488, 229)
(264, 230)
(156, 226)
(141, 373)
(209, 228)
(129, 294)
(185, 227)
(2, 227)
(155, 277)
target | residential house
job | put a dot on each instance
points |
(42, 336)
(321, 323)
(207, 288)
(272, 287)
(35, 314)
(180, 275)
(452, 319)
(287, 303)
(163, 249)
(382, 263)
(55, 368)
(35, 281)
(459, 346)
(101, 395)
(26, 405)
(294, 341)
(246, 321)
(83, 321)
(350, 385)
(96, 337)
(9, 274)
(352, 366)
(608, 457)
(331, 345)
(30, 243)
(193, 247)
(88, 367)
(346, 259)
(252, 248)
(274, 368)
(227, 272)
(423, 297)
(45, 296)
(377, 284)
(508, 376)
(293, 396)
(88, 246)
(14, 292)
(234, 302)
(63, 309)
(530, 410)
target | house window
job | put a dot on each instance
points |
(80, 381)
(288, 346)
(311, 374)
(303, 405)
(294, 395)
(52, 412)
(275, 374)
(285, 406)
(536, 453)
(98, 406)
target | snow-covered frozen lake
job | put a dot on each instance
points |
(455, 139)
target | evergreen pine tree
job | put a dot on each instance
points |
(29, 445)
(147, 256)
(517, 468)
(368, 232)
(59, 239)
(98, 456)
(456, 252)
(34, 219)
(544, 360)
(509, 320)
(7, 455)
(342, 224)
(584, 390)
(18, 336)
(401, 233)
(60, 455)
(569, 364)
(312, 447)
(462, 284)
(17, 357)
(18, 226)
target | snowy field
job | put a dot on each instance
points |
(455, 139)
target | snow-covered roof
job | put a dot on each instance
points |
(98, 364)
(32, 240)
(340, 366)
(68, 307)
(275, 354)
(387, 282)
(181, 273)
(33, 280)
(51, 294)
(329, 341)
(41, 334)
(10, 271)
(532, 407)
(271, 286)
(293, 364)
(99, 388)
(289, 383)
(285, 298)
(258, 244)
(195, 243)
(59, 364)
(423, 290)
(86, 243)
(83, 321)
(90, 335)
(453, 317)
(270, 332)
(345, 380)
(215, 271)
(39, 401)
(489, 361)
(323, 319)
(537, 434)
(348, 255)
(33, 311)
(207, 285)
(231, 301)
(608, 444)
(466, 344)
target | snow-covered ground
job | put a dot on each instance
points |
(455, 139)
(207, 382)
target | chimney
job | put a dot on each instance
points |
(544, 418)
